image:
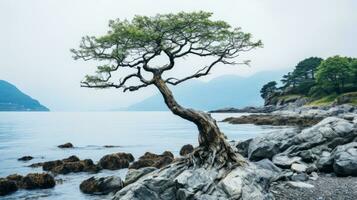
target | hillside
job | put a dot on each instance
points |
(12, 99)
(224, 91)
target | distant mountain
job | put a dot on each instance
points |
(221, 92)
(12, 99)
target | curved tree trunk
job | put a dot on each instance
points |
(211, 140)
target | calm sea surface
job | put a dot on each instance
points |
(38, 134)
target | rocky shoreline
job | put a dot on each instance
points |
(287, 164)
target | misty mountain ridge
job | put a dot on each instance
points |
(12, 99)
(221, 92)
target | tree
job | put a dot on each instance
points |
(306, 68)
(354, 70)
(334, 72)
(136, 44)
(268, 89)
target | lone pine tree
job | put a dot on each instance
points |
(134, 45)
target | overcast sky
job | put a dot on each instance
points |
(36, 35)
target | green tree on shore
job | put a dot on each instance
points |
(334, 73)
(268, 89)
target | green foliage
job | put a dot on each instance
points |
(133, 44)
(268, 89)
(324, 101)
(321, 79)
(303, 77)
(334, 73)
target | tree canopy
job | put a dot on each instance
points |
(134, 44)
(268, 89)
(334, 73)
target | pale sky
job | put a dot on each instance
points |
(36, 36)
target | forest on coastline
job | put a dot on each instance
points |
(319, 82)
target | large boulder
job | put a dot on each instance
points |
(71, 164)
(103, 185)
(308, 144)
(182, 182)
(7, 187)
(86, 165)
(268, 145)
(153, 160)
(345, 159)
(116, 161)
(37, 181)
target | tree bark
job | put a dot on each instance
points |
(210, 138)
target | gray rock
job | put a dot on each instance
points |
(298, 184)
(103, 185)
(299, 177)
(298, 167)
(325, 162)
(134, 174)
(314, 176)
(285, 161)
(267, 146)
(180, 182)
(268, 165)
(345, 160)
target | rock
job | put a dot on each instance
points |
(66, 145)
(314, 176)
(298, 184)
(310, 169)
(285, 161)
(274, 120)
(103, 185)
(7, 187)
(181, 182)
(298, 167)
(15, 177)
(25, 158)
(268, 145)
(111, 146)
(311, 145)
(345, 160)
(86, 165)
(68, 165)
(116, 161)
(325, 162)
(186, 149)
(299, 177)
(49, 165)
(71, 159)
(141, 163)
(285, 175)
(268, 165)
(243, 147)
(134, 174)
(38, 181)
(249, 109)
(153, 160)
